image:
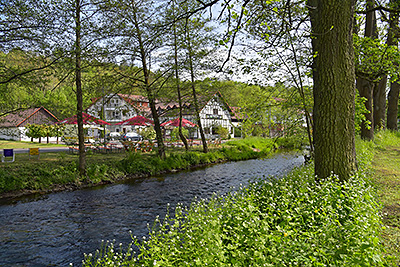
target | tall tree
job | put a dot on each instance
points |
(177, 80)
(78, 84)
(334, 87)
(366, 86)
(190, 54)
(393, 95)
(138, 37)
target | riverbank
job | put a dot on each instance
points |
(292, 221)
(55, 172)
(386, 178)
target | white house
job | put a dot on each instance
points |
(114, 108)
(214, 111)
(12, 126)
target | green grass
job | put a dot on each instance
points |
(53, 170)
(386, 166)
(20, 144)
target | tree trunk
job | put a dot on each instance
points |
(196, 104)
(393, 102)
(393, 96)
(149, 92)
(334, 87)
(365, 87)
(78, 83)
(183, 138)
(380, 103)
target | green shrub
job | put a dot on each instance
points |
(222, 132)
(134, 163)
(175, 133)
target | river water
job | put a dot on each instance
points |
(56, 229)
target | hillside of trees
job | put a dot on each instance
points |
(60, 54)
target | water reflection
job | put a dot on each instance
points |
(56, 229)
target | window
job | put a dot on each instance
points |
(116, 115)
(215, 111)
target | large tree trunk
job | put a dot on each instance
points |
(393, 96)
(334, 87)
(78, 83)
(365, 87)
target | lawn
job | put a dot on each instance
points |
(20, 144)
(386, 165)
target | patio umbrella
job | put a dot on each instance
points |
(175, 123)
(137, 120)
(87, 119)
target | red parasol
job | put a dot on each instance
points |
(137, 120)
(87, 119)
(175, 123)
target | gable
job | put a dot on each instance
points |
(215, 109)
(28, 116)
(129, 105)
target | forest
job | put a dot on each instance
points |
(334, 61)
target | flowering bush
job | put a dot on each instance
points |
(292, 221)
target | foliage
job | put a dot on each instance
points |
(136, 163)
(44, 130)
(361, 110)
(374, 57)
(292, 221)
(36, 130)
(222, 132)
(147, 133)
(253, 142)
(57, 170)
(61, 168)
(175, 133)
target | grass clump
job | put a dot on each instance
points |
(293, 221)
(386, 166)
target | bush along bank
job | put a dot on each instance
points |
(61, 171)
(137, 163)
(293, 221)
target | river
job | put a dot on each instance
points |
(56, 229)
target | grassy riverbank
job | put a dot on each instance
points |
(59, 171)
(386, 167)
(287, 222)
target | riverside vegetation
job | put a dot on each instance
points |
(293, 221)
(59, 171)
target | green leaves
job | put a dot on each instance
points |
(374, 58)
(292, 221)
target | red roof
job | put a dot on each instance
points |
(137, 120)
(175, 123)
